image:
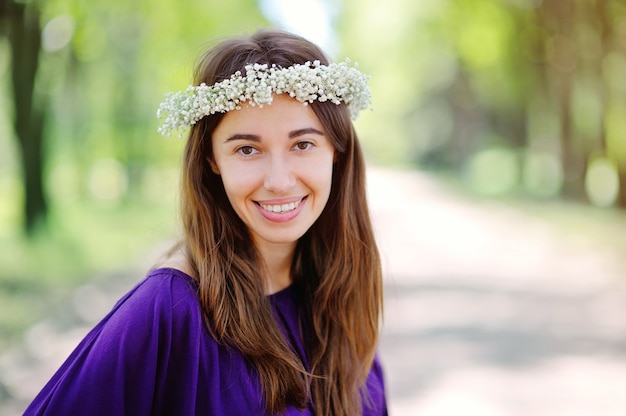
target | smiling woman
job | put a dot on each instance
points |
(276, 166)
(271, 303)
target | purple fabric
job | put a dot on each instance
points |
(152, 355)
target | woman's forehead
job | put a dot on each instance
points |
(282, 116)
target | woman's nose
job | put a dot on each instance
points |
(279, 177)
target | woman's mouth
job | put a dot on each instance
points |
(280, 208)
(281, 213)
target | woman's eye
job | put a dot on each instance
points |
(303, 145)
(246, 150)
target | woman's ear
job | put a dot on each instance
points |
(214, 167)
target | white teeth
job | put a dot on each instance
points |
(280, 208)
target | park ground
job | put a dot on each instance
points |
(491, 308)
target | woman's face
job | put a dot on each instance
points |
(276, 164)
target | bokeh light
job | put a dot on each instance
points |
(602, 182)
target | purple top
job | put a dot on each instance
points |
(153, 355)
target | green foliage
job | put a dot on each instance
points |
(122, 58)
(448, 76)
(104, 68)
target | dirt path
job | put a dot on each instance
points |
(493, 313)
(488, 312)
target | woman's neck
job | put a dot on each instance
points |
(277, 259)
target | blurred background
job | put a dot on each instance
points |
(497, 154)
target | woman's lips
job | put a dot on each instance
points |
(281, 212)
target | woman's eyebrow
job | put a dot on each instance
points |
(248, 137)
(302, 132)
(255, 138)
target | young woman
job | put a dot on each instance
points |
(272, 303)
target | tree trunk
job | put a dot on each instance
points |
(25, 38)
(560, 71)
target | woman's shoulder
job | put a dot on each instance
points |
(170, 281)
(167, 296)
(178, 260)
(162, 311)
(163, 290)
(128, 354)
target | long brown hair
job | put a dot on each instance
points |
(336, 267)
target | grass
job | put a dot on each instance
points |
(82, 241)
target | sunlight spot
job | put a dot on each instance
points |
(602, 182)
(57, 33)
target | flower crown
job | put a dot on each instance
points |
(308, 82)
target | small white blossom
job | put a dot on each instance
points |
(308, 82)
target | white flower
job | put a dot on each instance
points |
(308, 82)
